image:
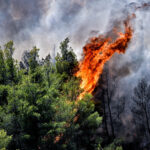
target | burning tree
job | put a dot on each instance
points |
(97, 52)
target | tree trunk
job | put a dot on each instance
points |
(105, 118)
(108, 102)
(110, 116)
(147, 120)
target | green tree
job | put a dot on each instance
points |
(4, 140)
(41, 110)
(4, 90)
(11, 71)
(34, 66)
(33, 59)
(67, 62)
(2, 68)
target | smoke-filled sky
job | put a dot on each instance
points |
(48, 22)
(45, 23)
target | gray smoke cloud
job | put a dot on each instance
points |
(138, 54)
(48, 22)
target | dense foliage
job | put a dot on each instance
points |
(38, 103)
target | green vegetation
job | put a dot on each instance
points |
(38, 107)
(4, 140)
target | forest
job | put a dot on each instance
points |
(40, 110)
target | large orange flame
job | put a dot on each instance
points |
(97, 52)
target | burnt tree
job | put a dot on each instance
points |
(140, 106)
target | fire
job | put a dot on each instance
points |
(97, 52)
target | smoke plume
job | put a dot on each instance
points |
(48, 22)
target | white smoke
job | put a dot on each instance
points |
(52, 22)
(48, 22)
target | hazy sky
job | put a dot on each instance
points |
(45, 23)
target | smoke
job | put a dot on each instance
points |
(19, 20)
(48, 22)
(137, 56)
